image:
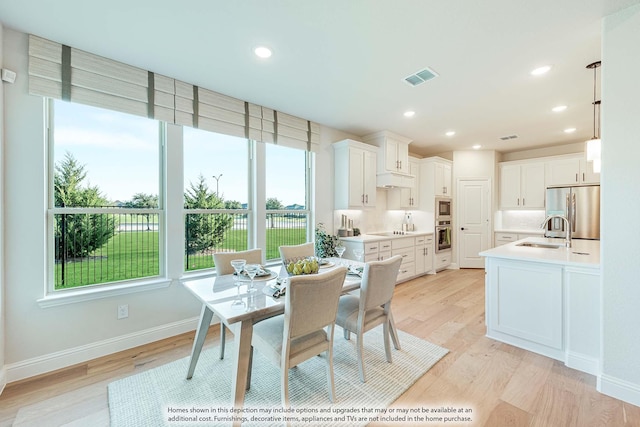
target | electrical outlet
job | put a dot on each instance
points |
(123, 311)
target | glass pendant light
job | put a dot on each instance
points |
(593, 146)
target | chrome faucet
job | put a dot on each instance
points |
(567, 242)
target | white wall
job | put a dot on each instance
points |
(3, 371)
(42, 339)
(620, 243)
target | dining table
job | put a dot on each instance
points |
(239, 310)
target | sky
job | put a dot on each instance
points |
(120, 153)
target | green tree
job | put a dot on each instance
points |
(143, 201)
(202, 231)
(275, 204)
(77, 235)
(232, 204)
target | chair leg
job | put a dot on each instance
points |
(394, 332)
(347, 334)
(360, 351)
(387, 346)
(250, 369)
(223, 339)
(284, 386)
(330, 379)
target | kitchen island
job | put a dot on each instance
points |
(545, 298)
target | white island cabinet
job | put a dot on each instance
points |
(546, 300)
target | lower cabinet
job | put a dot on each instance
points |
(442, 260)
(424, 254)
(550, 309)
(502, 238)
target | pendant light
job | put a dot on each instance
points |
(593, 146)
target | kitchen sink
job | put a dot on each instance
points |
(541, 245)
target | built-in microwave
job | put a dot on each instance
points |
(443, 209)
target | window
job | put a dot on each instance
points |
(105, 216)
(287, 204)
(216, 196)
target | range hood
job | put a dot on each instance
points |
(395, 180)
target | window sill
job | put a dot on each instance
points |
(89, 294)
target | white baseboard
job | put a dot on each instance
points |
(62, 359)
(620, 389)
(583, 363)
(3, 378)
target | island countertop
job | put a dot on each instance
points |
(583, 253)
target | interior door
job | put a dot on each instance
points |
(474, 207)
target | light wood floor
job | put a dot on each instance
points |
(501, 384)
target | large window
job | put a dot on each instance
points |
(105, 216)
(216, 196)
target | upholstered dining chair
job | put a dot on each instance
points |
(311, 302)
(222, 261)
(359, 314)
(297, 251)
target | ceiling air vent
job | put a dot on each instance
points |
(508, 137)
(420, 77)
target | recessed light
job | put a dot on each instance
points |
(540, 70)
(477, 147)
(262, 52)
(450, 133)
(569, 130)
(409, 113)
(559, 108)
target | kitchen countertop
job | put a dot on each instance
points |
(583, 253)
(539, 231)
(388, 235)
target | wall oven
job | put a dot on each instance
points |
(443, 235)
(443, 209)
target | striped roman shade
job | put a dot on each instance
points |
(62, 72)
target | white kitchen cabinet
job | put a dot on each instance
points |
(442, 260)
(435, 181)
(405, 247)
(573, 170)
(406, 197)
(502, 238)
(393, 155)
(522, 185)
(424, 254)
(355, 175)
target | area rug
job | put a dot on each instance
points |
(163, 397)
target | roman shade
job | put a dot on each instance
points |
(62, 72)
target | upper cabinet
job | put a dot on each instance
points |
(393, 158)
(355, 175)
(522, 185)
(406, 197)
(435, 181)
(571, 171)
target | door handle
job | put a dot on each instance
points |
(461, 228)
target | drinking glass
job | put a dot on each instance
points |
(340, 248)
(252, 270)
(238, 266)
(358, 254)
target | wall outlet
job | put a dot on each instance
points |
(123, 311)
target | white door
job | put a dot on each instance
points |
(473, 221)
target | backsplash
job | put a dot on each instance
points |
(519, 219)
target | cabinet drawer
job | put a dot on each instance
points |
(408, 254)
(442, 261)
(405, 242)
(424, 240)
(407, 271)
(384, 246)
(371, 248)
(512, 237)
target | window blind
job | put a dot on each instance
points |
(63, 72)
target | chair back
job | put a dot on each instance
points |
(312, 301)
(296, 252)
(378, 282)
(222, 260)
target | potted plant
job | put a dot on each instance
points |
(325, 243)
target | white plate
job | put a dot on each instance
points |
(327, 265)
(268, 275)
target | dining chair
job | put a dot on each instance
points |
(311, 303)
(359, 314)
(222, 261)
(297, 251)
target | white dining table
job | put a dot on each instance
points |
(217, 295)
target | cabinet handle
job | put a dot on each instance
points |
(523, 201)
(576, 177)
(583, 175)
(367, 199)
(400, 165)
(518, 201)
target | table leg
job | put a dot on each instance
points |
(242, 338)
(201, 333)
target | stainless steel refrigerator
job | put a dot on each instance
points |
(580, 205)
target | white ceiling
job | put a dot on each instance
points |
(341, 63)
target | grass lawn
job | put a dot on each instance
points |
(134, 254)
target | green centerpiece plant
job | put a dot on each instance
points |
(325, 243)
